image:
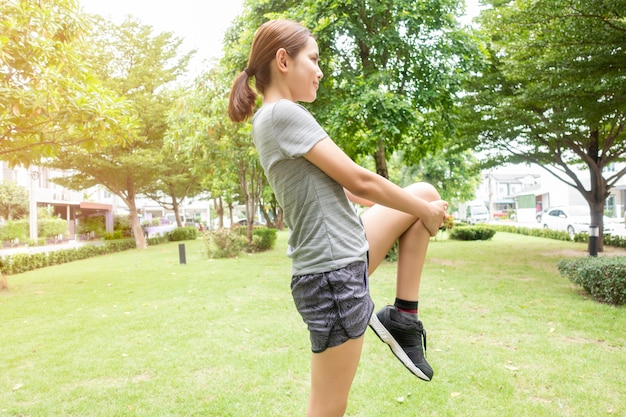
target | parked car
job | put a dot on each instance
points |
(571, 219)
(477, 214)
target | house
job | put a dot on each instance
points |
(530, 189)
(73, 206)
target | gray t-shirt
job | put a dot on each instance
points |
(326, 234)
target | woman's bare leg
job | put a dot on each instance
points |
(332, 373)
(383, 226)
(398, 325)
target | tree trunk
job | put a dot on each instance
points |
(140, 238)
(219, 210)
(598, 192)
(381, 160)
(176, 209)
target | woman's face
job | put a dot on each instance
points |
(305, 73)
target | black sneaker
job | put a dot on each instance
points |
(404, 334)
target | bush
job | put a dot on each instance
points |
(604, 278)
(17, 229)
(224, 243)
(51, 227)
(183, 233)
(92, 225)
(263, 238)
(472, 233)
(122, 224)
(118, 234)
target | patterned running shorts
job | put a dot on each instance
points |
(335, 305)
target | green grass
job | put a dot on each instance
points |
(138, 334)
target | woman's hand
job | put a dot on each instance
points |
(437, 216)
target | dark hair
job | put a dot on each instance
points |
(269, 38)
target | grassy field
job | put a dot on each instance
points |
(138, 334)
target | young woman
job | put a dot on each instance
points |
(333, 250)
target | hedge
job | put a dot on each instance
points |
(604, 278)
(23, 262)
(471, 233)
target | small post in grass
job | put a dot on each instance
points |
(181, 253)
(593, 240)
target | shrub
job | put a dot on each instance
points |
(604, 278)
(17, 229)
(122, 224)
(156, 240)
(51, 227)
(92, 225)
(224, 243)
(118, 234)
(263, 238)
(472, 233)
(183, 233)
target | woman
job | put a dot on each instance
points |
(333, 250)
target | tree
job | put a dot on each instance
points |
(49, 96)
(14, 200)
(392, 69)
(139, 65)
(201, 131)
(555, 92)
(455, 176)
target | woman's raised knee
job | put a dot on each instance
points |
(423, 190)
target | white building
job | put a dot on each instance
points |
(529, 189)
(96, 201)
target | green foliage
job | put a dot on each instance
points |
(224, 243)
(604, 278)
(14, 200)
(42, 47)
(614, 240)
(610, 240)
(471, 233)
(18, 229)
(51, 227)
(391, 71)
(117, 234)
(122, 224)
(183, 233)
(89, 225)
(554, 93)
(263, 238)
(157, 240)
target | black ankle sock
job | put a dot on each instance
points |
(406, 306)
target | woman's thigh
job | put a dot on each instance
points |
(384, 225)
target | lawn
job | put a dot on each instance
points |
(139, 334)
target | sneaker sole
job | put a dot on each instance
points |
(384, 335)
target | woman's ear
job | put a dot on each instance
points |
(281, 59)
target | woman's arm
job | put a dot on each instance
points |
(358, 200)
(369, 186)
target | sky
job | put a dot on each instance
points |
(201, 23)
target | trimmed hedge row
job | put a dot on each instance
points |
(604, 278)
(23, 262)
(610, 240)
(471, 233)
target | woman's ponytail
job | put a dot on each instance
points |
(242, 98)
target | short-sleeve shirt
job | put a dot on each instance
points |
(325, 231)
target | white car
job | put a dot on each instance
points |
(571, 219)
